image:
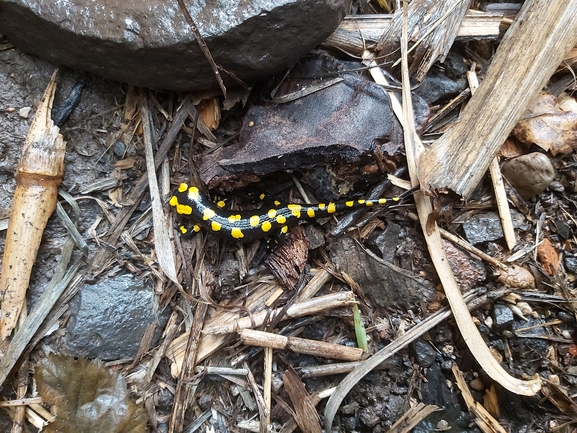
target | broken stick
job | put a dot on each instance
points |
(542, 34)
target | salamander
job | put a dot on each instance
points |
(250, 225)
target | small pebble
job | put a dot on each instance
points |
(570, 263)
(529, 174)
(24, 112)
(477, 384)
(502, 317)
(443, 425)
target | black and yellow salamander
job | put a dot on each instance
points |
(249, 225)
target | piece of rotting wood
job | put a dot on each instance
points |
(38, 175)
(357, 33)
(432, 26)
(531, 50)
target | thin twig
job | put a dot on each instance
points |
(202, 45)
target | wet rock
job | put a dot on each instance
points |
(384, 283)
(321, 127)
(349, 423)
(530, 345)
(423, 353)
(502, 318)
(109, 319)
(437, 86)
(387, 241)
(468, 271)
(315, 236)
(393, 407)
(486, 226)
(529, 174)
(435, 390)
(570, 263)
(150, 44)
(368, 417)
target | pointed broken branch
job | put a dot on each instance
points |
(38, 175)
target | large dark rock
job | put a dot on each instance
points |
(148, 42)
(341, 123)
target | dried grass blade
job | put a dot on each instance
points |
(414, 149)
(164, 251)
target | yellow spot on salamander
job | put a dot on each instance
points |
(182, 187)
(221, 203)
(208, 214)
(234, 218)
(215, 226)
(295, 209)
(284, 230)
(349, 203)
(331, 208)
(396, 199)
(183, 229)
(271, 213)
(311, 212)
(254, 221)
(236, 233)
(266, 226)
(196, 228)
(181, 209)
(369, 203)
(281, 219)
(361, 201)
(276, 203)
(382, 201)
(262, 196)
(322, 206)
(193, 193)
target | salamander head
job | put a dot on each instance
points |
(184, 199)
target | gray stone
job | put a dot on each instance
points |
(529, 174)
(570, 263)
(486, 226)
(109, 318)
(502, 318)
(423, 353)
(149, 43)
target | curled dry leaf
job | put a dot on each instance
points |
(547, 255)
(511, 148)
(550, 123)
(516, 277)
